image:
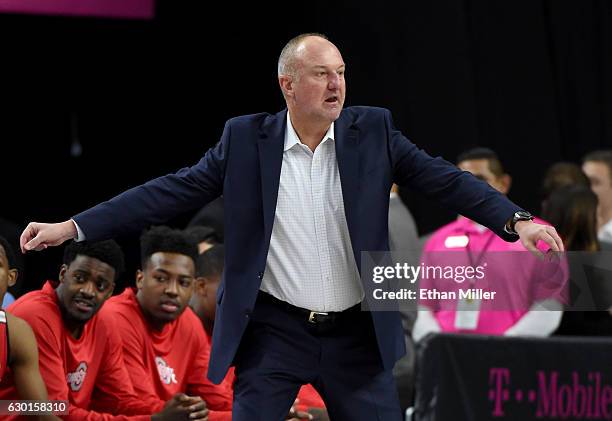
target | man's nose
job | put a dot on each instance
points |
(333, 81)
(172, 288)
(88, 289)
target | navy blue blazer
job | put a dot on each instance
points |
(245, 167)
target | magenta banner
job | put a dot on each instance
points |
(130, 9)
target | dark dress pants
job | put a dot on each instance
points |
(281, 350)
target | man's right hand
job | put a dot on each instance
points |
(183, 407)
(38, 236)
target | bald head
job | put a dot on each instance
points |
(292, 53)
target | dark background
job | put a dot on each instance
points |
(528, 78)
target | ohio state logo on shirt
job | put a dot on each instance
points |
(166, 373)
(76, 378)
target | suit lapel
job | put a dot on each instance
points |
(270, 145)
(347, 155)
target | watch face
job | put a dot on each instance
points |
(521, 216)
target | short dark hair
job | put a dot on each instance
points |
(604, 156)
(200, 233)
(495, 164)
(211, 262)
(165, 239)
(107, 251)
(9, 252)
(572, 210)
(562, 174)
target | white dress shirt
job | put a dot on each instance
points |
(310, 262)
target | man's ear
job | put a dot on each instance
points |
(139, 279)
(12, 277)
(200, 286)
(286, 85)
(110, 292)
(506, 182)
(62, 273)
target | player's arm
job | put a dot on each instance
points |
(24, 362)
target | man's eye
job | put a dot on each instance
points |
(161, 278)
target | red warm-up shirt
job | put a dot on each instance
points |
(163, 363)
(83, 371)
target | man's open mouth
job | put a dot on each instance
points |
(83, 305)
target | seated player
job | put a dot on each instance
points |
(18, 350)
(81, 359)
(164, 347)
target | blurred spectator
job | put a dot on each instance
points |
(561, 174)
(468, 242)
(204, 237)
(405, 248)
(573, 211)
(211, 215)
(598, 167)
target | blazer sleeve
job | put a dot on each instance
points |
(161, 199)
(445, 183)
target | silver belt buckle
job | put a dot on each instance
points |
(311, 318)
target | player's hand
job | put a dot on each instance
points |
(295, 415)
(196, 406)
(184, 408)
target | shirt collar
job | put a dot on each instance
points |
(291, 137)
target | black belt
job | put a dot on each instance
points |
(314, 317)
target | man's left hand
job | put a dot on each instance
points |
(530, 233)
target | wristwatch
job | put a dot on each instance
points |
(518, 216)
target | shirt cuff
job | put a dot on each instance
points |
(80, 233)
